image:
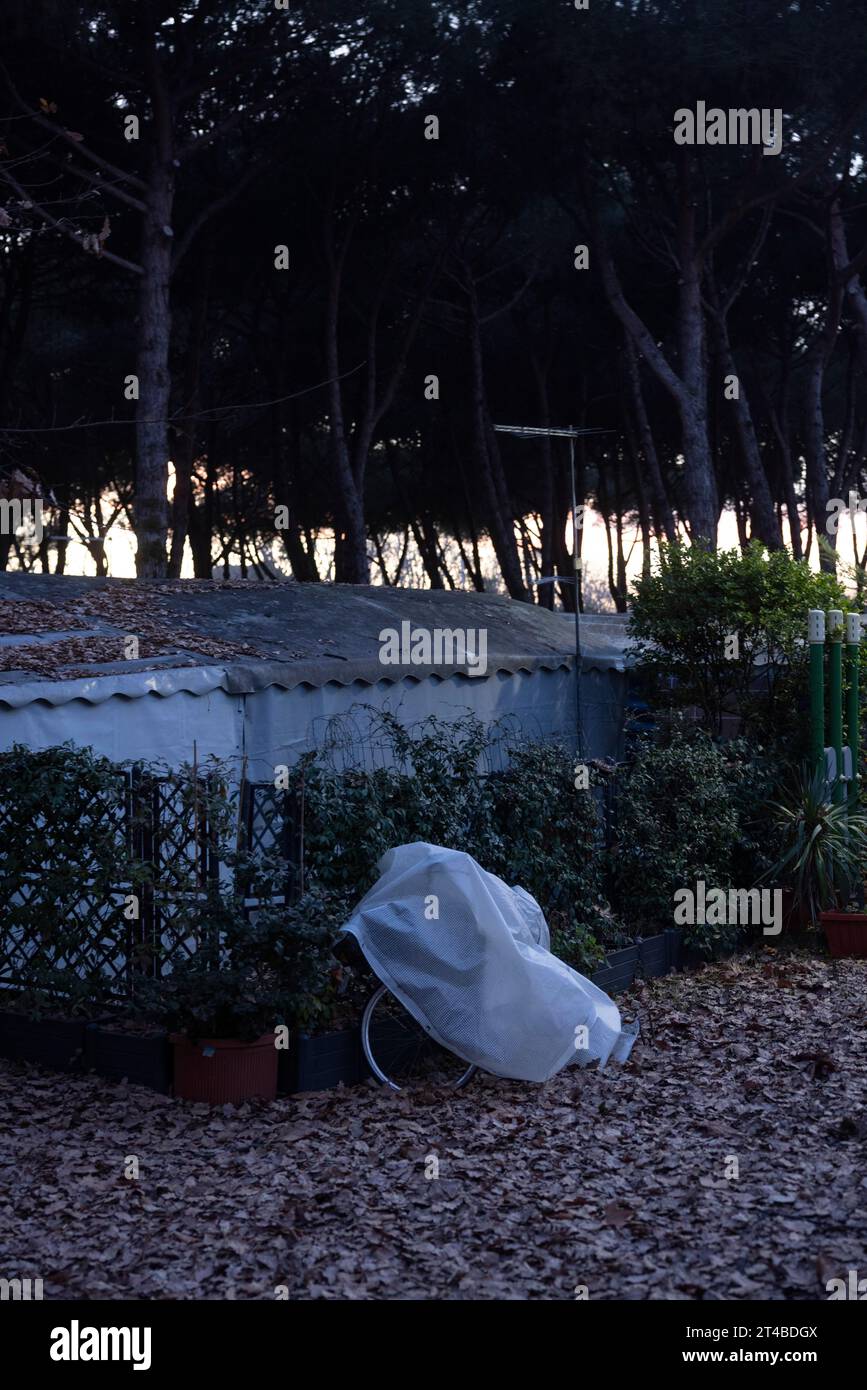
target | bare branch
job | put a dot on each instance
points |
(92, 178)
(210, 209)
(79, 146)
(72, 233)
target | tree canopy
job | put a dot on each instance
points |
(312, 253)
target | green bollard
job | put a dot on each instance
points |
(853, 702)
(835, 696)
(816, 639)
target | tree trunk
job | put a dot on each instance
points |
(702, 502)
(613, 506)
(201, 518)
(62, 529)
(546, 484)
(423, 529)
(186, 445)
(474, 568)
(766, 527)
(500, 523)
(641, 497)
(350, 555)
(689, 387)
(663, 515)
(700, 485)
(152, 410)
(818, 358)
(302, 562)
(778, 415)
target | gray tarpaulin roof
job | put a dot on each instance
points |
(605, 643)
(199, 636)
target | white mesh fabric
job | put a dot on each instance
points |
(479, 976)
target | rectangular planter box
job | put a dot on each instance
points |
(619, 970)
(654, 956)
(51, 1042)
(142, 1061)
(318, 1064)
(5, 1041)
(674, 938)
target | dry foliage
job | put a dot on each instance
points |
(613, 1180)
(129, 611)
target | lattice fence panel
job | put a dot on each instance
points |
(164, 855)
(62, 912)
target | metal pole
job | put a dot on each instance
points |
(576, 570)
(539, 432)
(816, 639)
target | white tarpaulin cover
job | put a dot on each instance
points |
(469, 958)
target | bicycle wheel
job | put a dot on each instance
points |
(401, 1054)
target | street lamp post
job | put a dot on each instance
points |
(534, 432)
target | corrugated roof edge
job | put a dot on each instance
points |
(238, 679)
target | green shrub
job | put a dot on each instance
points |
(295, 942)
(684, 613)
(527, 822)
(689, 811)
(255, 967)
(262, 957)
(204, 1000)
(548, 841)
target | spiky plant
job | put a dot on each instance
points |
(824, 847)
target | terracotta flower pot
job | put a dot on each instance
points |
(846, 933)
(223, 1071)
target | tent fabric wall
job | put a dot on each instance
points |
(280, 725)
(257, 671)
(152, 728)
(274, 725)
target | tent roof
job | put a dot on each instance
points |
(62, 637)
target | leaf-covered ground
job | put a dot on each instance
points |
(614, 1181)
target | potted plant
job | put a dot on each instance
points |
(846, 932)
(824, 849)
(220, 1006)
(221, 1020)
(324, 996)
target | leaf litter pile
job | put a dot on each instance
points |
(122, 611)
(619, 1181)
